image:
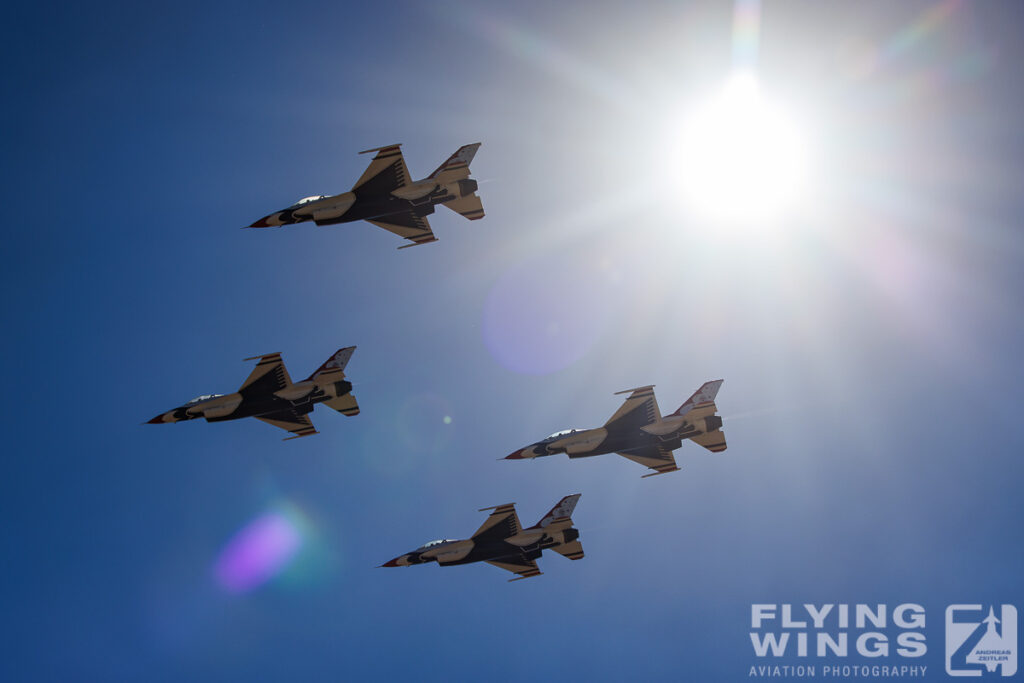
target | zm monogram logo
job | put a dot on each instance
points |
(981, 641)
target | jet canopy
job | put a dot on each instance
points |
(431, 544)
(557, 435)
(307, 200)
(204, 397)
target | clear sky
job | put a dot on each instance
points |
(869, 337)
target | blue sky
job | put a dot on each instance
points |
(869, 341)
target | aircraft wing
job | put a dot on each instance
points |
(658, 458)
(414, 228)
(268, 376)
(290, 421)
(517, 565)
(387, 172)
(502, 523)
(639, 410)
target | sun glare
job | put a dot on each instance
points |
(742, 157)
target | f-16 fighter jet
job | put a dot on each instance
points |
(270, 395)
(638, 431)
(386, 196)
(503, 543)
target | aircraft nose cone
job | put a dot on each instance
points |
(159, 419)
(517, 455)
(261, 223)
(392, 563)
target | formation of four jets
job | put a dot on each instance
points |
(385, 196)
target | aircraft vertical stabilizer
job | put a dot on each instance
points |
(562, 510)
(702, 399)
(335, 364)
(456, 167)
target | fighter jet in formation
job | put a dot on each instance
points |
(386, 196)
(502, 542)
(270, 395)
(638, 431)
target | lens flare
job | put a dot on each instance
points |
(258, 553)
(746, 33)
(529, 331)
(422, 424)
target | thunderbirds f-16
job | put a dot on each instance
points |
(638, 431)
(503, 543)
(386, 196)
(270, 395)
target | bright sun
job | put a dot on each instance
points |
(743, 159)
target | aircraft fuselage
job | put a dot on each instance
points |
(419, 198)
(467, 551)
(300, 397)
(668, 433)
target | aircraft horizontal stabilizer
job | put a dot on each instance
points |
(346, 405)
(469, 206)
(573, 550)
(713, 441)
